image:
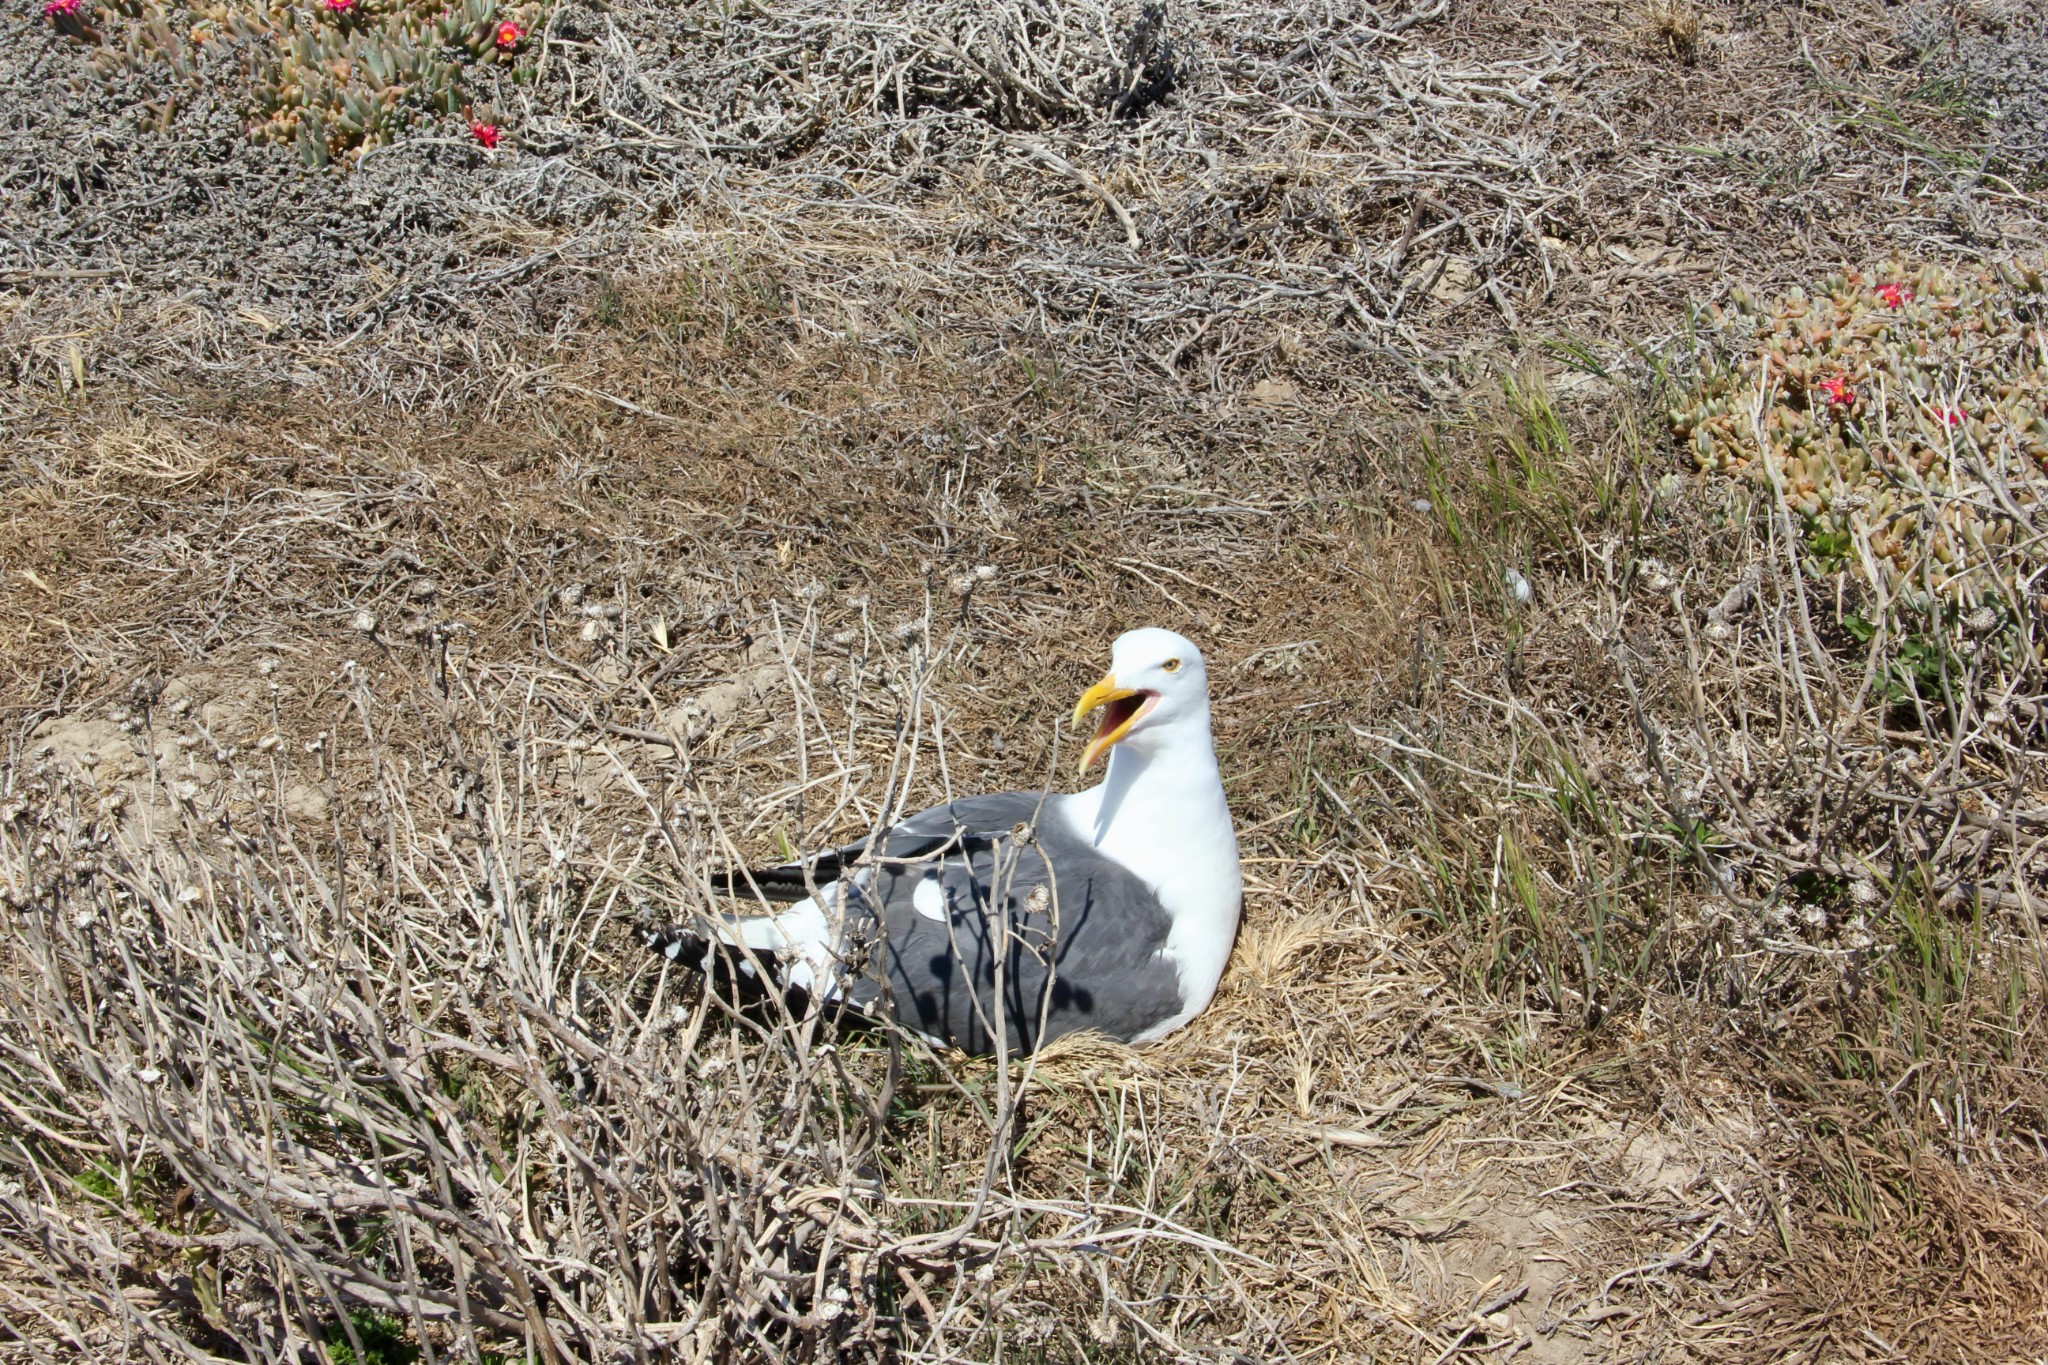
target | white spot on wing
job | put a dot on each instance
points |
(929, 898)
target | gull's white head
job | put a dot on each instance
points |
(1156, 683)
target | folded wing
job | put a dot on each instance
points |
(981, 920)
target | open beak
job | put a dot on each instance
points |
(1121, 708)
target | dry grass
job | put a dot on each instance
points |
(1607, 986)
(1673, 28)
(1626, 972)
(1338, 203)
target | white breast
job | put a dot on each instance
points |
(1182, 845)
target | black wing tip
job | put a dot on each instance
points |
(789, 881)
(776, 885)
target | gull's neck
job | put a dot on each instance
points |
(1169, 784)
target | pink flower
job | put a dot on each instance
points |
(340, 6)
(61, 9)
(1948, 414)
(1894, 295)
(485, 133)
(509, 35)
(1840, 395)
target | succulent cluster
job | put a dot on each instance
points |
(331, 77)
(1903, 415)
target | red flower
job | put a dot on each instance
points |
(486, 133)
(1894, 295)
(341, 6)
(509, 35)
(61, 9)
(1948, 414)
(1840, 395)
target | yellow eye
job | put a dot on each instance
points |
(1171, 665)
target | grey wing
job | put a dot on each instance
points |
(995, 936)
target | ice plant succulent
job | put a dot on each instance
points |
(1873, 474)
(328, 77)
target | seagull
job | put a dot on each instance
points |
(1002, 922)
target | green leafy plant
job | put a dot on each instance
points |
(1917, 665)
(382, 1339)
(97, 1179)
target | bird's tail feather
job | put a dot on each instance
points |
(676, 943)
(795, 944)
(743, 979)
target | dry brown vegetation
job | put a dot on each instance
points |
(1673, 28)
(1636, 964)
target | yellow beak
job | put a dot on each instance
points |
(1116, 723)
